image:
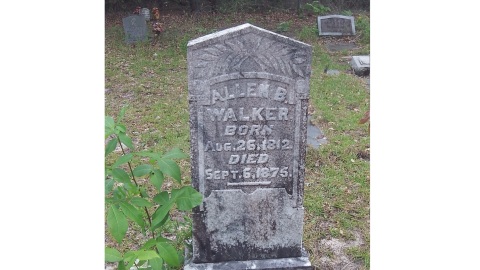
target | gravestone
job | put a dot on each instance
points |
(336, 25)
(248, 97)
(361, 65)
(135, 28)
(146, 13)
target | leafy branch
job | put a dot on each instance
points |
(127, 199)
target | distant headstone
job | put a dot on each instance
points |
(146, 13)
(361, 65)
(248, 97)
(336, 25)
(135, 28)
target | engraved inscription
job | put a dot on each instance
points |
(247, 136)
(247, 173)
(250, 89)
(336, 25)
(249, 145)
(240, 114)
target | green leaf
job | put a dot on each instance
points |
(108, 171)
(162, 211)
(161, 198)
(121, 265)
(168, 253)
(120, 175)
(143, 265)
(160, 224)
(111, 145)
(122, 160)
(112, 255)
(156, 263)
(159, 215)
(117, 223)
(130, 265)
(132, 213)
(109, 185)
(147, 255)
(130, 256)
(169, 167)
(126, 140)
(111, 200)
(149, 244)
(157, 179)
(174, 153)
(109, 122)
(121, 114)
(121, 128)
(140, 202)
(141, 255)
(142, 170)
(149, 154)
(131, 188)
(144, 193)
(160, 239)
(119, 193)
(109, 126)
(187, 198)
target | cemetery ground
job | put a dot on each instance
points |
(152, 82)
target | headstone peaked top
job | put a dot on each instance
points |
(248, 97)
(146, 13)
(135, 28)
(336, 25)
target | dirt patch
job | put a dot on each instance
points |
(335, 257)
(364, 154)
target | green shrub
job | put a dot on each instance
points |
(132, 203)
(315, 8)
(362, 25)
(283, 26)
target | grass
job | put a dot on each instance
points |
(283, 26)
(152, 81)
(363, 27)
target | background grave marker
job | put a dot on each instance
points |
(336, 25)
(135, 28)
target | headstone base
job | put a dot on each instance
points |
(278, 264)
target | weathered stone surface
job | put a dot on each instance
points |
(135, 28)
(336, 25)
(361, 65)
(146, 13)
(248, 95)
(333, 72)
(315, 136)
(292, 263)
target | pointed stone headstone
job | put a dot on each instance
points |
(248, 94)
